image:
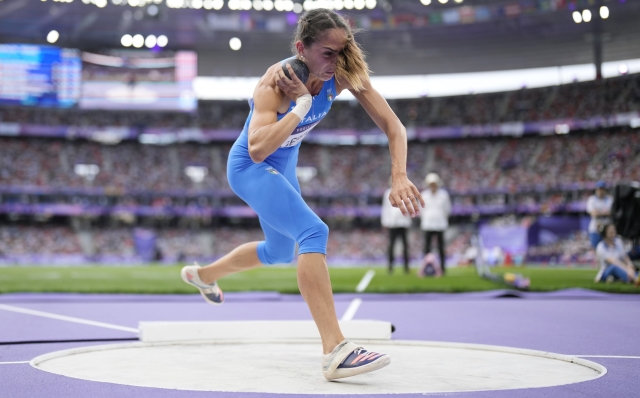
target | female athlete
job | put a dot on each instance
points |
(262, 171)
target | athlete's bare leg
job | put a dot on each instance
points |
(315, 287)
(313, 281)
(241, 258)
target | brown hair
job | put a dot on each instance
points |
(602, 229)
(351, 61)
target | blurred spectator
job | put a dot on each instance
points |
(574, 248)
(599, 208)
(113, 242)
(398, 225)
(41, 240)
(434, 218)
(614, 261)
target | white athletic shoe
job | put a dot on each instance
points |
(212, 293)
(348, 359)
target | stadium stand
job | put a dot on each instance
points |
(47, 181)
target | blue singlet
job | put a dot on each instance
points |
(271, 188)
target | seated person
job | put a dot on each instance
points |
(614, 261)
(634, 255)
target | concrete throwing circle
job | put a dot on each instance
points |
(294, 367)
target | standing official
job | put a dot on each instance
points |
(398, 226)
(434, 219)
(599, 208)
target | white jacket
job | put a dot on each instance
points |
(435, 215)
(600, 204)
(391, 217)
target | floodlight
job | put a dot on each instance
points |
(577, 17)
(53, 36)
(162, 41)
(138, 41)
(604, 12)
(235, 43)
(126, 40)
(150, 41)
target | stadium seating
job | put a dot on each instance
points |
(530, 175)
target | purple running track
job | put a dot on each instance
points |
(575, 322)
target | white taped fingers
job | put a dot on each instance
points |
(303, 105)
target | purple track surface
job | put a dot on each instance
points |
(574, 322)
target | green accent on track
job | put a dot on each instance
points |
(162, 279)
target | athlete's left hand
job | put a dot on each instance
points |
(291, 87)
(405, 196)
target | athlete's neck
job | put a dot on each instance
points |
(314, 85)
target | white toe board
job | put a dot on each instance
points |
(257, 330)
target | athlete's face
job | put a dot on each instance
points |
(322, 56)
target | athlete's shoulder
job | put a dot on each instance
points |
(267, 91)
(268, 80)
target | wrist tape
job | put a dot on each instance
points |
(303, 105)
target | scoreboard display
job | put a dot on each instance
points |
(139, 80)
(33, 75)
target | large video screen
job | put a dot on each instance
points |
(139, 80)
(33, 75)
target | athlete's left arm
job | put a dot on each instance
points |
(403, 191)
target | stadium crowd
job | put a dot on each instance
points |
(115, 242)
(540, 172)
(467, 166)
(181, 244)
(571, 249)
(45, 240)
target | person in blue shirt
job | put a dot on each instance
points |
(262, 171)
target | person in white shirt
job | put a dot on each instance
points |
(615, 264)
(434, 218)
(398, 225)
(599, 208)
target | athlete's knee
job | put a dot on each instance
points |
(276, 254)
(314, 239)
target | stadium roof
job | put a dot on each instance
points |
(491, 34)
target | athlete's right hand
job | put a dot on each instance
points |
(292, 88)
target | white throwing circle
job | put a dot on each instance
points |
(294, 367)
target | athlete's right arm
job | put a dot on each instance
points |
(266, 132)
